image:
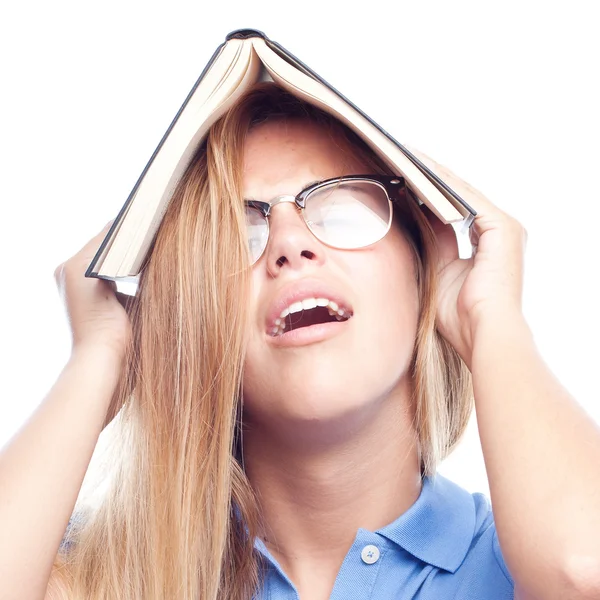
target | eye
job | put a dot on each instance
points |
(257, 228)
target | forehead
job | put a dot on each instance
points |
(283, 156)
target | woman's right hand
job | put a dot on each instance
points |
(96, 316)
(50, 455)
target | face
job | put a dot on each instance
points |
(321, 373)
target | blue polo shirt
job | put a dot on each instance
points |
(443, 547)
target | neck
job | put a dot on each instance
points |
(318, 485)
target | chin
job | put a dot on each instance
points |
(319, 390)
(319, 410)
(330, 400)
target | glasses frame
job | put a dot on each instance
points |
(393, 185)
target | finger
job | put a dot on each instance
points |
(91, 246)
(79, 261)
(474, 237)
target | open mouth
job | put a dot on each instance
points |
(304, 314)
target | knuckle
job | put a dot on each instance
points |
(516, 225)
(67, 271)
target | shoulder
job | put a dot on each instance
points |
(464, 532)
(485, 530)
(483, 566)
(448, 540)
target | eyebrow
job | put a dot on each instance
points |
(304, 186)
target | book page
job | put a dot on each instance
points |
(234, 71)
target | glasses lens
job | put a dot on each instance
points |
(258, 233)
(350, 214)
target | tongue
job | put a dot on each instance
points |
(306, 318)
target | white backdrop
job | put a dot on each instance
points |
(505, 94)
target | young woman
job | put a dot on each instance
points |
(295, 365)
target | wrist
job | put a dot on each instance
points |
(105, 356)
(493, 316)
(502, 328)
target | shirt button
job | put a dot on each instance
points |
(370, 554)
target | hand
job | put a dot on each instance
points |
(96, 316)
(490, 284)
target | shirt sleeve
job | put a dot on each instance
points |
(70, 533)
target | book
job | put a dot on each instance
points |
(246, 57)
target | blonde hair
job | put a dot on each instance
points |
(177, 517)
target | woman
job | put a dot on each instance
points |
(281, 413)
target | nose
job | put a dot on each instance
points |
(291, 244)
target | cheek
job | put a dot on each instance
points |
(389, 276)
(253, 302)
(392, 298)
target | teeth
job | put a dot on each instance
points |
(296, 307)
(308, 303)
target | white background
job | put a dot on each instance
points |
(505, 94)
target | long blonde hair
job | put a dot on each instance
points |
(177, 517)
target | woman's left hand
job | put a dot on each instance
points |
(490, 284)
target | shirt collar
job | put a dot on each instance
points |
(438, 528)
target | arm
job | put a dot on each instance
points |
(42, 469)
(43, 466)
(541, 450)
(542, 456)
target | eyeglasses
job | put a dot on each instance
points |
(347, 212)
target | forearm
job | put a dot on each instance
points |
(42, 469)
(542, 456)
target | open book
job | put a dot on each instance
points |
(246, 57)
